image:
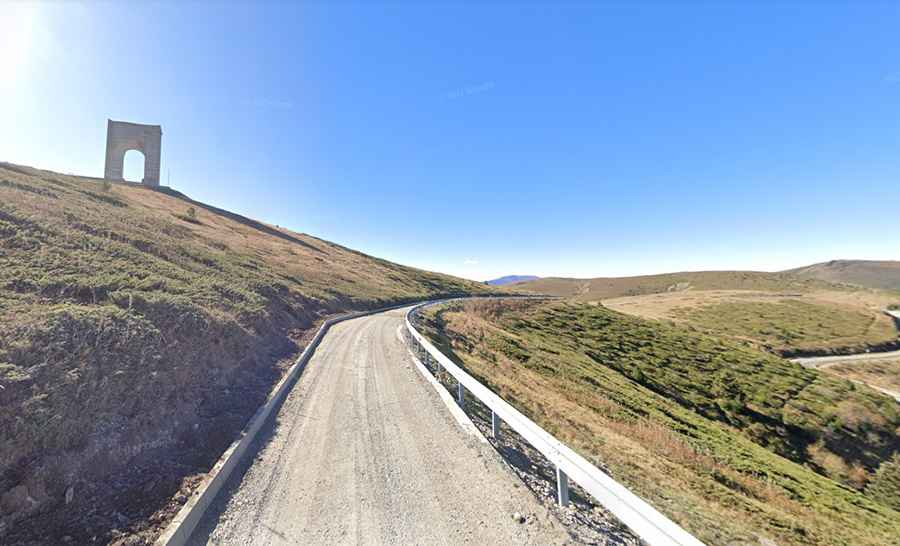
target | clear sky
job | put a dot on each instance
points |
(488, 140)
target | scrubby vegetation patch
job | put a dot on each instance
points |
(733, 443)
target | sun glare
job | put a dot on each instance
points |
(17, 23)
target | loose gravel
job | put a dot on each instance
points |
(363, 451)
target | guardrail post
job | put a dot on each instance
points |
(495, 425)
(562, 487)
(460, 395)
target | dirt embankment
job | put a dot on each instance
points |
(120, 446)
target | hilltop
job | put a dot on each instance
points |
(869, 273)
(836, 274)
(139, 330)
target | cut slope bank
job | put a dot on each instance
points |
(140, 330)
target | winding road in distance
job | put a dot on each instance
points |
(818, 362)
(363, 451)
(826, 361)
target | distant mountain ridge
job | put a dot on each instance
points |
(615, 287)
(510, 279)
(883, 274)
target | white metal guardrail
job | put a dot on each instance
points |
(647, 522)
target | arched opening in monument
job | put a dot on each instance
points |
(133, 170)
(121, 138)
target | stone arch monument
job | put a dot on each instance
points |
(122, 136)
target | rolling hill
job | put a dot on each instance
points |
(786, 313)
(884, 275)
(139, 330)
(613, 287)
(789, 323)
(873, 274)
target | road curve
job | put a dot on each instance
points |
(363, 451)
(821, 362)
(826, 361)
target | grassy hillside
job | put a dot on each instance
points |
(786, 323)
(782, 312)
(731, 442)
(140, 330)
(613, 287)
(793, 326)
(873, 274)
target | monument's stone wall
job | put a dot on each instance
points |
(122, 136)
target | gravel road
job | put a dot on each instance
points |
(826, 361)
(363, 451)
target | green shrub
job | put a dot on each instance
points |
(885, 486)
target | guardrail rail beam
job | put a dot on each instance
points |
(645, 521)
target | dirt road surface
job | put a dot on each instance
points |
(363, 451)
(826, 361)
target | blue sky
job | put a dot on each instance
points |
(487, 140)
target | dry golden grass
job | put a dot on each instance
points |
(783, 321)
(663, 305)
(884, 373)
